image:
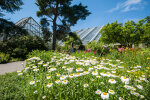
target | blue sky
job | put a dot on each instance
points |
(103, 11)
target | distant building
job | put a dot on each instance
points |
(89, 34)
(31, 26)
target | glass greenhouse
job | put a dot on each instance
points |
(90, 34)
(30, 25)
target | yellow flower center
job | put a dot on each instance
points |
(104, 93)
(78, 68)
(132, 91)
(112, 79)
(78, 73)
(65, 81)
(111, 91)
(124, 77)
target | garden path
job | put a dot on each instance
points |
(11, 67)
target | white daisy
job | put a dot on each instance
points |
(49, 85)
(71, 75)
(65, 82)
(91, 68)
(57, 81)
(125, 80)
(63, 77)
(35, 69)
(98, 76)
(94, 73)
(85, 72)
(52, 69)
(20, 73)
(113, 71)
(32, 82)
(79, 69)
(120, 98)
(142, 97)
(48, 77)
(85, 85)
(112, 81)
(98, 92)
(111, 91)
(139, 86)
(43, 97)
(103, 74)
(105, 95)
(127, 87)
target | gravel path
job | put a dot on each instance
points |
(11, 67)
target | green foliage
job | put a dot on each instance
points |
(19, 87)
(10, 87)
(132, 57)
(111, 33)
(72, 38)
(10, 5)
(9, 30)
(98, 47)
(45, 55)
(73, 76)
(19, 47)
(63, 10)
(146, 36)
(4, 57)
(130, 33)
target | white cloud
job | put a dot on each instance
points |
(128, 5)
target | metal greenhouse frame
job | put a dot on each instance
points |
(31, 26)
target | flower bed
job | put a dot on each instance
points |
(61, 76)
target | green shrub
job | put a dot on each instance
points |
(44, 55)
(19, 47)
(4, 58)
(98, 47)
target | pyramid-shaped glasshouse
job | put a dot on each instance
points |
(30, 25)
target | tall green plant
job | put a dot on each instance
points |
(63, 10)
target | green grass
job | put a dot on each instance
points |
(11, 87)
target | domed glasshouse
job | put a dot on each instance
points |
(89, 34)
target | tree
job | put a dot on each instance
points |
(9, 30)
(10, 6)
(130, 33)
(112, 33)
(45, 30)
(146, 28)
(61, 11)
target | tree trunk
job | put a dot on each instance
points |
(54, 36)
(55, 27)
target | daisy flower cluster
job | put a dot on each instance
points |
(72, 77)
